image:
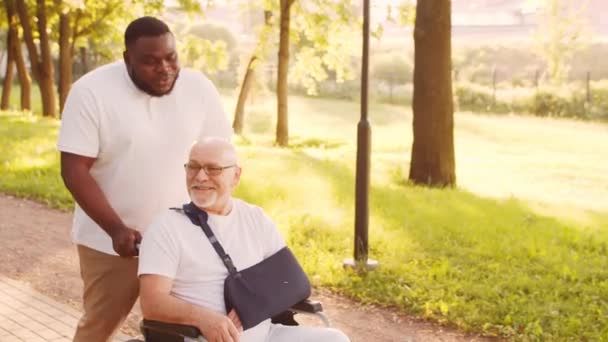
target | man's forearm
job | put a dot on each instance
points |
(91, 199)
(170, 309)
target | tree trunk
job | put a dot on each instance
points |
(15, 48)
(24, 78)
(239, 112)
(46, 72)
(65, 58)
(84, 61)
(432, 161)
(282, 134)
(7, 84)
(28, 37)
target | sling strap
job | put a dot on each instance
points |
(199, 217)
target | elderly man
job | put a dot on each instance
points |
(181, 275)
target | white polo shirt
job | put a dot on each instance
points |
(140, 143)
(175, 248)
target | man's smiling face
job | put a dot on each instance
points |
(210, 191)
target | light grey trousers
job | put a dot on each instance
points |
(283, 333)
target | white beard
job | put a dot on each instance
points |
(204, 203)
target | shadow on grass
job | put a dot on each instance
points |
(486, 265)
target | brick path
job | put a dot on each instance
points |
(26, 315)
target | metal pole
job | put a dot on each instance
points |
(588, 85)
(363, 159)
(494, 86)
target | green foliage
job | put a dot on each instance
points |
(392, 68)
(520, 65)
(561, 32)
(203, 55)
(599, 101)
(190, 7)
(476, 64)
(210, 48)
(547, 101)
(474, 98)
(404, 13)
(323, 33)
(214, 32)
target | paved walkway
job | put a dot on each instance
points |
(26, 315)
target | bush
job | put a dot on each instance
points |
(551, 101)
(548, 103)
(475, 63)
(598, 109)
(392, 68)
(473, 97)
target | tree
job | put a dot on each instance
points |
(66, 51)
(324, 38)
(321, 38)
(562, 31)
(239, 110)
(7, 84)
(432, 161)
(248, 78)
(40, 62)
(15, 57)
(282, 133)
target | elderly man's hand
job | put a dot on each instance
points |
(125, 241)
(219, 328)
(235, 320)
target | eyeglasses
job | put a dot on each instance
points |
(194, 169)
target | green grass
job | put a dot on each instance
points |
(29, 163)
(519, 250)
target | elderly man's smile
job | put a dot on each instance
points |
(202, 188)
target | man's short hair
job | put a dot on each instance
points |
(144, 27)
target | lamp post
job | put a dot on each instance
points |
(364, 132)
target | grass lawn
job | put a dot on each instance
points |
(518, 250)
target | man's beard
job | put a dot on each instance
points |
(148, 90)
(203, 203)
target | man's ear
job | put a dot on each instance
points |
(125, 57)
(237, 176)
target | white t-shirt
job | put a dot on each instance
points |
(175, 248)
(140, 142)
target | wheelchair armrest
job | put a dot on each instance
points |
(308, 306)
(171, 328)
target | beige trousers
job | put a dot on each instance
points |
(111, 288)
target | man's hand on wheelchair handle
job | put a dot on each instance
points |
(220, 328)
(125, 242)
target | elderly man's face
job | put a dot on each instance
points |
(211, 175)
(152, 64)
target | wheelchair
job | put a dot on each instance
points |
(155, 331)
